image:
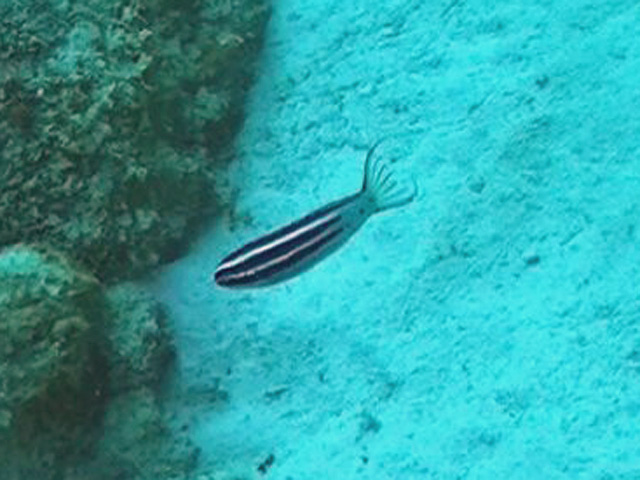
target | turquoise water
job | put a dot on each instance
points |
(488, 330)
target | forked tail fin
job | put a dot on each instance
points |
(380, 182)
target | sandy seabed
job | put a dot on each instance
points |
(489, 330)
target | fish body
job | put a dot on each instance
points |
(294, 248)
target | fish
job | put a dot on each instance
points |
(295, 248)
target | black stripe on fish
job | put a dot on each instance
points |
(292, 249)
(286, 230)
(266, 252)
(287, 261)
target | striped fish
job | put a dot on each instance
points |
(298, 246)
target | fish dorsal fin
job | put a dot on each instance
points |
(382, 185)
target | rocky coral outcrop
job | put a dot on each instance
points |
(141, 350)
(136, 439)
(112, 116)
(138, 443)
(81, 371)
(51, 321)
(52, 367)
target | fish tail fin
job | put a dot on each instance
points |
(382, 185)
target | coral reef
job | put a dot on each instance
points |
(138, 443)
(141, 348)
(51, 317)
(136, 440)
(81, 372)
(112, 116)
(52, 370)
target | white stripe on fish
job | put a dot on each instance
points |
(298, 246)
(279, 240)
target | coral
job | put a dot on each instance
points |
(141, 346)
(52, 368)
(112, 116)
(80, 371)
(136, 440)
(138, 443)
(51, 317)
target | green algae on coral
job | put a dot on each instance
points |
(141, 347)
(112, 116)
(139, 443)
(51, 320)
(80, 374)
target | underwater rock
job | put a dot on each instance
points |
(136, 440)
(139, 444)
(114, 117)
(51, 319)
(80, 371)
(141, 350)
(52, 368)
